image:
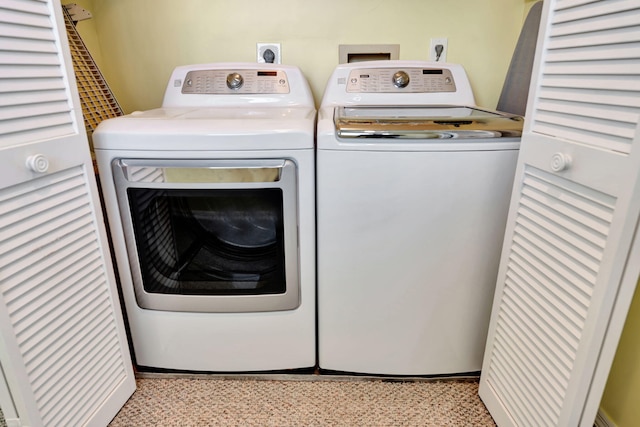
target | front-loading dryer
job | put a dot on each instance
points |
(211, 205)
(413, 186)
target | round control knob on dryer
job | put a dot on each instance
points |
(400, 79)
(38, 163)
(234, 81)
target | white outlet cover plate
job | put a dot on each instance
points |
(262, 47)
(432, 49)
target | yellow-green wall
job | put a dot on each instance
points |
(141, 41)
(621, 399)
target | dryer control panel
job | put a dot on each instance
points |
(225, 82)
(390, 80)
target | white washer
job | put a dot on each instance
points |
(211, 205)
(413, 185)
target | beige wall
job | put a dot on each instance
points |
(141, 41)
(622, 393)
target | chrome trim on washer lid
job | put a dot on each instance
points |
(425, 123)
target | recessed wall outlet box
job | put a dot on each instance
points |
(268, 51)
(367, 52)
(435, 53)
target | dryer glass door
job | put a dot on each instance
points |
(212, 236)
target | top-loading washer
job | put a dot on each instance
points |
(413, 185)
(211, 205)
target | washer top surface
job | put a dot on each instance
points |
(225, 106)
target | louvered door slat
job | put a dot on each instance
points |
(595, 96)
(583, 85)
(27, 111)
(596, 53)
(17, 88)
(566, 11)
(606, 36)
(22, 72)
(38, 7)
(31, 99)
(622, 70)
(15, 48)
(12, 33)
(38, 17)
(36, 125)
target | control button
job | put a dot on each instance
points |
(400, 79)
(234, 81)
(38, 163)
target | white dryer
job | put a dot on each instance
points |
(413, 186)
(211, 206)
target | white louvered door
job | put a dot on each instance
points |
(572, 221)
(63, 349)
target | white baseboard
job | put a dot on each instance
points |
(603, 421)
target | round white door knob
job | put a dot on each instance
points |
(38, 163)
(560, 162)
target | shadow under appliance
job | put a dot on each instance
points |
(413, 187)
(210, 200)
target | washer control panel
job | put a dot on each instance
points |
(411, 80)
(225, 82)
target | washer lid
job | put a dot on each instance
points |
(426, 122)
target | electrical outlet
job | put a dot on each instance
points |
(263, 48)
(433, 55)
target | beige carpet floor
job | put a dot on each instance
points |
(300, 402)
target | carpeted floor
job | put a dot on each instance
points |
(297, 402)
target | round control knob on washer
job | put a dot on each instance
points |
(38, 163)
(400, 79)
(234, 81)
